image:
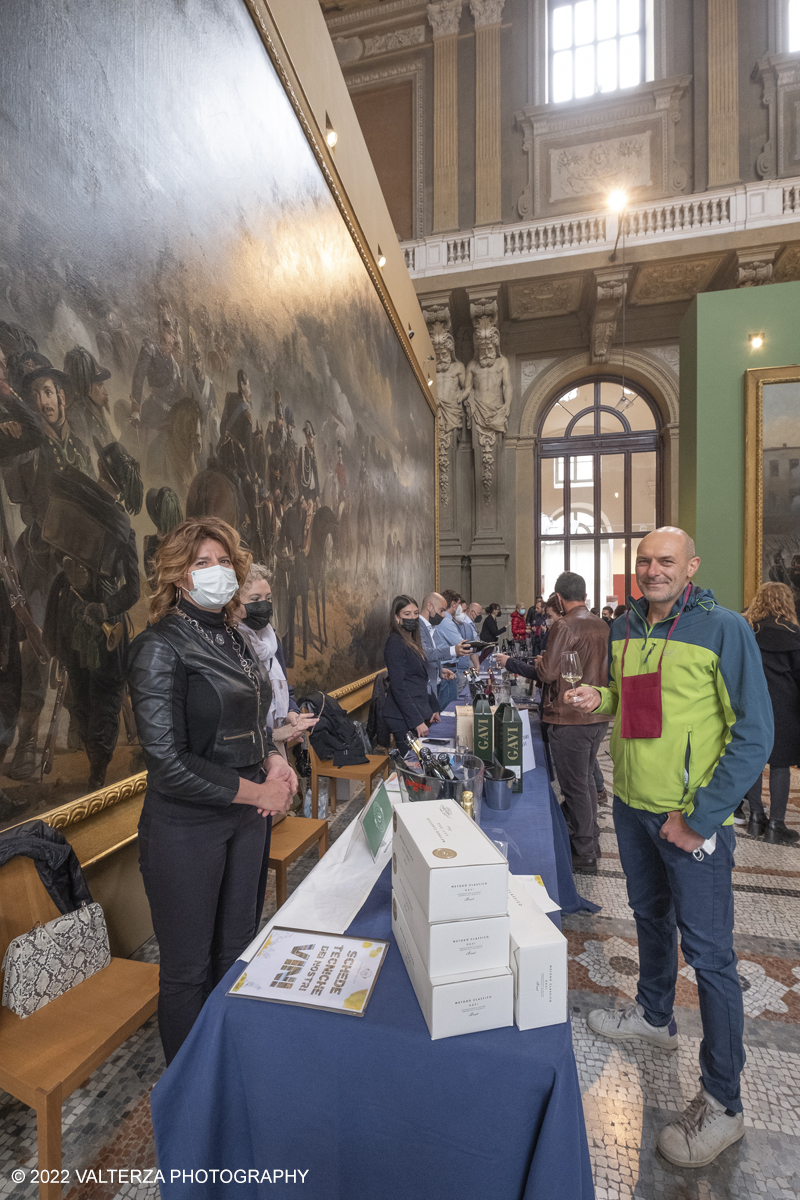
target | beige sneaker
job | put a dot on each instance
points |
(630, 1025)
(703, 1132)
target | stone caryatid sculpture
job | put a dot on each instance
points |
(450, 380)
(487, 390)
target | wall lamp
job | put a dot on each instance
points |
(331, 136)
(617, 201)
(756, 341)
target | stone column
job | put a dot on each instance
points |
(488, 402)
(450, 390)
(723, 93)
(444, 17)
(487, 15)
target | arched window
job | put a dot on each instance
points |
(599, 460)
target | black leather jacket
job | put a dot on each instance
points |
(181, 763)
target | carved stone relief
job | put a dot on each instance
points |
(780, 80)
(444, 17)
(754, 267)
(531, 369)
(611, 287)
(661, 283)
(398, 39)
(600, 166)
(624, 140)
(671, 355)
(544, 297)
(788, 265)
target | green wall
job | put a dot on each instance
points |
(715, 353)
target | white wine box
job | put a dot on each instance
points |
(453, 947)
(538, 961)
(455, 1004)
(453, 868)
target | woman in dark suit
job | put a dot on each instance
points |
(409, 705)
(773, 618)
(489, 630)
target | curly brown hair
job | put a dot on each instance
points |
(176, 552)
(772, 600)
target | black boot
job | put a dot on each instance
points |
(778, 835)
(23, 764)
(757, 824)
(11, 808)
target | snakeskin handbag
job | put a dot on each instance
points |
(50, 959)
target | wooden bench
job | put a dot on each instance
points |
(44, 1057)
(290, 839)
(377, 764)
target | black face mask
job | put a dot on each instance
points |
(410, 624)
(437, 618)
(259, 614)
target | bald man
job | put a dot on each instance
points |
(431, 614)
(685, 748)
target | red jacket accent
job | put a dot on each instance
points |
(518, 627)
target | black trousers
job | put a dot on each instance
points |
(574, 752)
(201, 869)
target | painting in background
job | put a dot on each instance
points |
(185, 313)
(780, 415)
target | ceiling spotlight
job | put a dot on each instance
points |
(617, 200)
(331, 136)
(381, 258)
(756, 341)
(430, 383)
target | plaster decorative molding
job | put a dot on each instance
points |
(530, 370)
(486, 12)
(670, 354)
(95, 802)
(412, 69)
(550, 131)
(662, 283)
(536, 298)
(444, 17)
(788, 265)
(600, 166)
(348, 50)
(397, 39)
(369, 16)
(486, 438)
(779, 75)
(660, 381)
(755, 267)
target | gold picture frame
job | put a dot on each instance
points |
(754, 381)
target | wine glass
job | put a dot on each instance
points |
(571, 670)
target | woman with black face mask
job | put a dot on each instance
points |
(409, 705)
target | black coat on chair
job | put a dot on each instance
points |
(779, 643)
(408, 702)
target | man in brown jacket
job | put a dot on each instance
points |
(574, 736)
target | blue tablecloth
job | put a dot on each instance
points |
(370, 1107)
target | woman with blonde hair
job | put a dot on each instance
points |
(201, 699)
(773, 618)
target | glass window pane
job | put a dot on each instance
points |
(639, 414)
(581, 560)
(565, 409)
(607, 66)
(552, 495)
(562, 76)
(552, 565)
(606, 581)
(584, 426)
(617, 593)
(610, 422)
(584, 22)
(612, 493)
(794, 25)
(630, 61)
(643, 492)
(606, 19)
(581, 478)
(584, 71)
(633, 587)
(562, 27)
(629, 15)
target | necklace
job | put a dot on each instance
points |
(246, 665)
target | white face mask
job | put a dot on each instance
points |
(213, 586)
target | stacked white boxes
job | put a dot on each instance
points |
(450, 919)
(538, 961)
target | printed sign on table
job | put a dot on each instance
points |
(316, 970)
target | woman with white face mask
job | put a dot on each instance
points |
(201, 699)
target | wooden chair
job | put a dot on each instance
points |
(377, 764)
(290, 839)
(44, 1057)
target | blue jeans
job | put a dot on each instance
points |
(670, 889)
(447, 692)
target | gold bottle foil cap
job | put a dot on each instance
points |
(467, 804)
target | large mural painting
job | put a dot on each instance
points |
(186, 327)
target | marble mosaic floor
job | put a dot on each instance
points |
(628, 1093)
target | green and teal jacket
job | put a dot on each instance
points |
(717, 726)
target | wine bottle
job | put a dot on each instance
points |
(429, 764)
(444, 762)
